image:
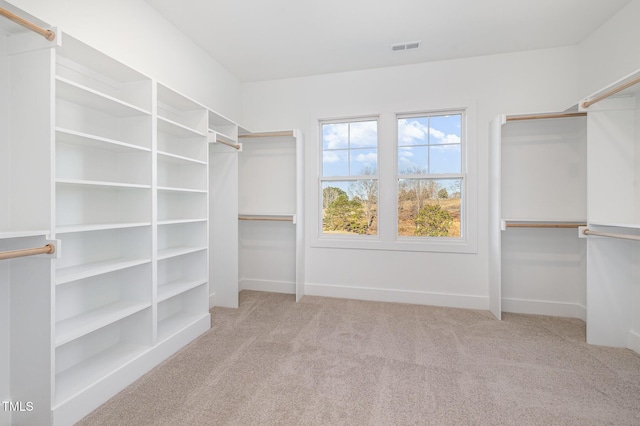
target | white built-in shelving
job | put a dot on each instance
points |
(103, 217)
(550, 175)
(538, 201)
(270, 211)
(613, 207)
(120, 184)
(182, 176)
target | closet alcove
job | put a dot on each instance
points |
(565, 213)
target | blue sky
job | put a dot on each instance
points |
(431, 144)
(349, 149)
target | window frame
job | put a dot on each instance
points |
(387, 237)
(348, 178)
(462, 175)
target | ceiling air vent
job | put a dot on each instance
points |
(405, 46)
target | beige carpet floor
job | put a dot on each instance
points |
(329, 361)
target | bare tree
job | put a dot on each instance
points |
(367, 192)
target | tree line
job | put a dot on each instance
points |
(424, 204)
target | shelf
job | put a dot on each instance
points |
(179, 221)
(80, 205)
(79, 377)
(84, 96)
(177, 322)
(85, 140)
(178, 159)
(181, 204)
(65, 229)
(177, 129)
(177, 251)
(79, 58)
(73, 328)
(89, 183)
(23, 234)
(174, 288)
(75, 273)
(172, 189)
(223, 126)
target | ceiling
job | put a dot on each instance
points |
(271, 39)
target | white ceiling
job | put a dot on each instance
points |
(270, 39)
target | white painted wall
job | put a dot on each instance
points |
(135, 34)
(513, 83)
(611, 52)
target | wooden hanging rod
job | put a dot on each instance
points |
(48, 249)
(543, 116)
(611, 92)
(274, 219)
(544, 225)
(48, 34)
(611, 235)
(232, 145)
(288, 133)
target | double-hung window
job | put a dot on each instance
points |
(398, 181)
(430, 175)
(349, 176)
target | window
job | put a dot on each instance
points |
(397, 181)
(349, 177)
(430, 179)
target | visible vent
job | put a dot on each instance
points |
(405, 46)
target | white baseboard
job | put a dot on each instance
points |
(398, 296)
(268, 286)
(212, 300)
(634, 342)
(544, 307)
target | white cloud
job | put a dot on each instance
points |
(364, 134)
(368, 158)
(331, 157)
(410, 131)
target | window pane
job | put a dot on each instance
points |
(350, 207)
(429, 207)
(445, 159)
(335, 136)
(413, 131)
(335, 163)
(364, 162)
(413, 159)
(444, 129)
(363, 134)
